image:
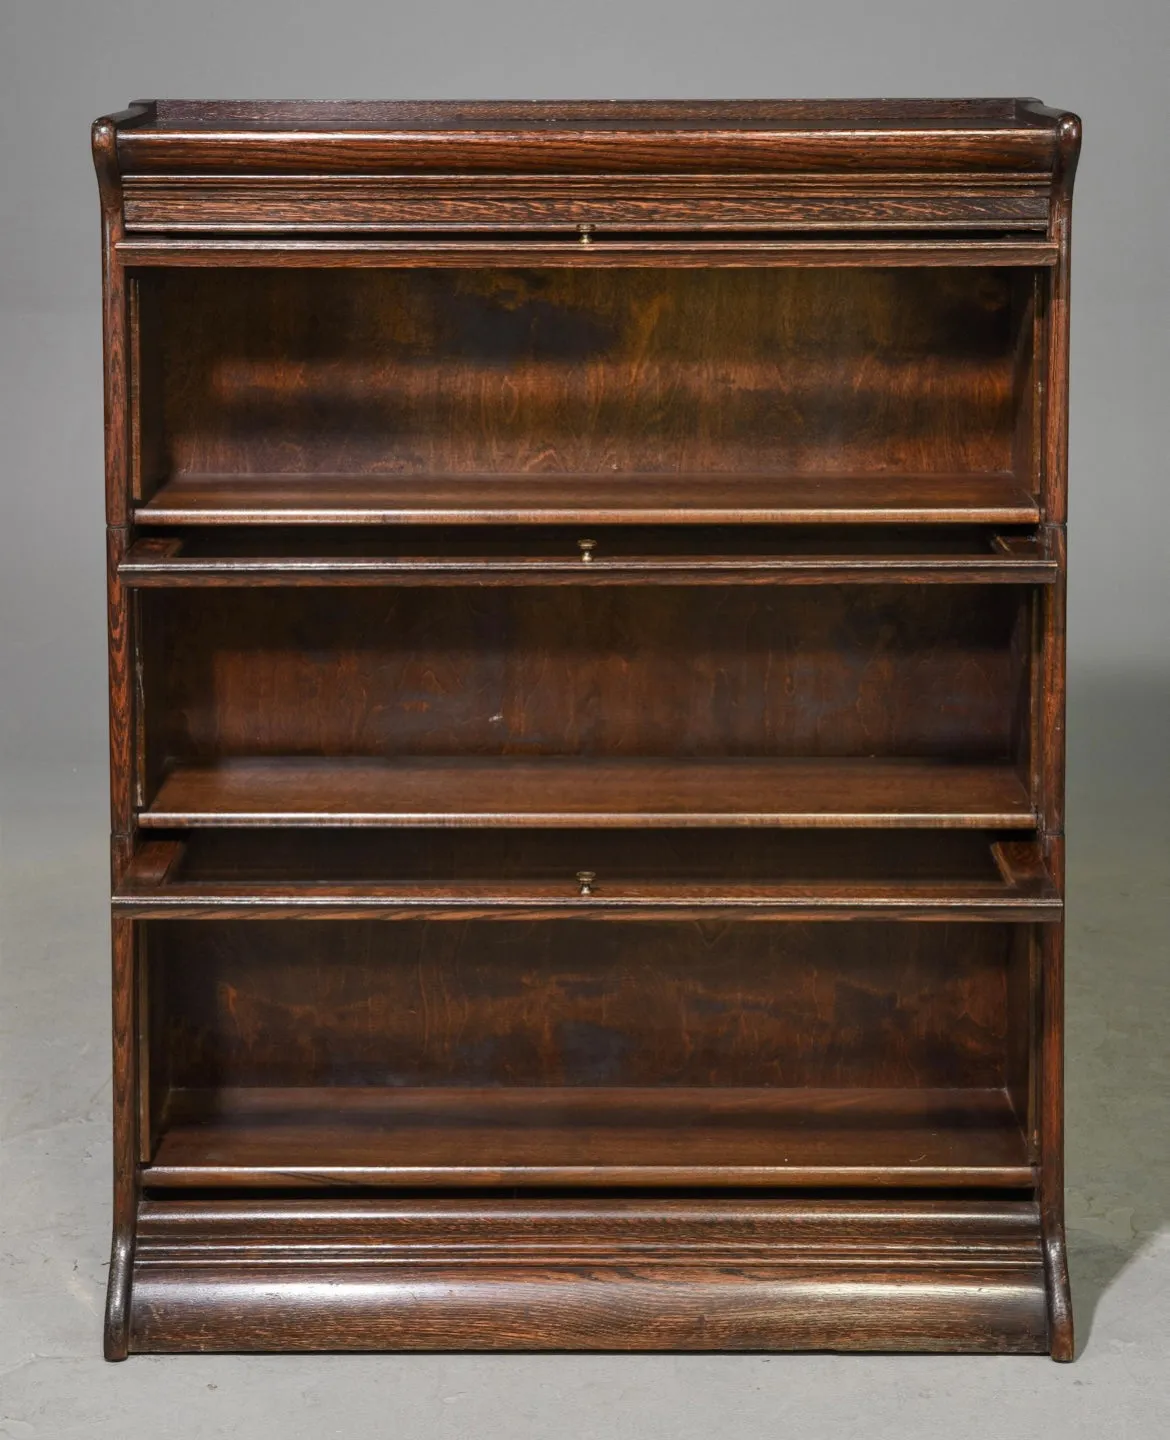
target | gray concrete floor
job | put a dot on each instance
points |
(54, 1193)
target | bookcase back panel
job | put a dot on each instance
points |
(591, 371)
(345, 1003)
(903, 670)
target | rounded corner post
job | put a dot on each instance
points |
(1068, 141)
(1065, 128)
(104, 144)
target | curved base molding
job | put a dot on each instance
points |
(594, 1274)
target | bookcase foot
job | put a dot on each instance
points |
(1062, 1339)
(116, 1340)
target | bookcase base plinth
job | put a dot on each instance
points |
(593, 1274)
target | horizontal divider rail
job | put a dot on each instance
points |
(169, 562)
(691, 252)
(157, 886)
(650, 203)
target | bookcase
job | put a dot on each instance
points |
(586, 602)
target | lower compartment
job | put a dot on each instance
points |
(501, 1053)
(604, 1273)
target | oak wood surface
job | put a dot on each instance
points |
(909, 672)
(595, 1272)
(580, 1136)
(165, 204)
(630, 556)
(615, 373)
(557, 499)
(454, 790)
(610, 136)
(866, 1004)
(684, 252)
(225, 874)
(541, 513)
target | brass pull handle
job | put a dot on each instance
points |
(585, 234)
(587, 548)
(585, 879)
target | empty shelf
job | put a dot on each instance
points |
(974, 499)
(591, 791)
(588, 1136)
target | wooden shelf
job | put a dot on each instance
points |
(588, 1136)
(626, 499)
(591, 791)
(628, 556)
(907, 875)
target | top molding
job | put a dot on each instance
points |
(590, 137)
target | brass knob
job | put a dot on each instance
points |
(585, 233)
(587, 548)
(585, 879)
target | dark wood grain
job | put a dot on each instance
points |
(124, 992)
(164, 204)
(539, 373)
(606, 136)
(692, 252)
(590, 792)
(900, 672)
(603, 1273)
(669, 1136)
(627, 557)
(532, 514)
(864, 1004)
(637, 875)
(559, 499)
(1051, 662)
(117, 346)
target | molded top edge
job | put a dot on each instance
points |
(410, 116)
(331, 136)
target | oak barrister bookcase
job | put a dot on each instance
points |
(586, 593)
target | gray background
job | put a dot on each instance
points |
(61, 64)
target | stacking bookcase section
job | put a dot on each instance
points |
(654, 1054)
(898, 705)
(587, 651)
(659, 396)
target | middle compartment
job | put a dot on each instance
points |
(910, 677)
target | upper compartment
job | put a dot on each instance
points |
(619, 396)
(630, 179)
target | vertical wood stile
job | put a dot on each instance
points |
(1055, 497)
(118, 450)
(125, 1094)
